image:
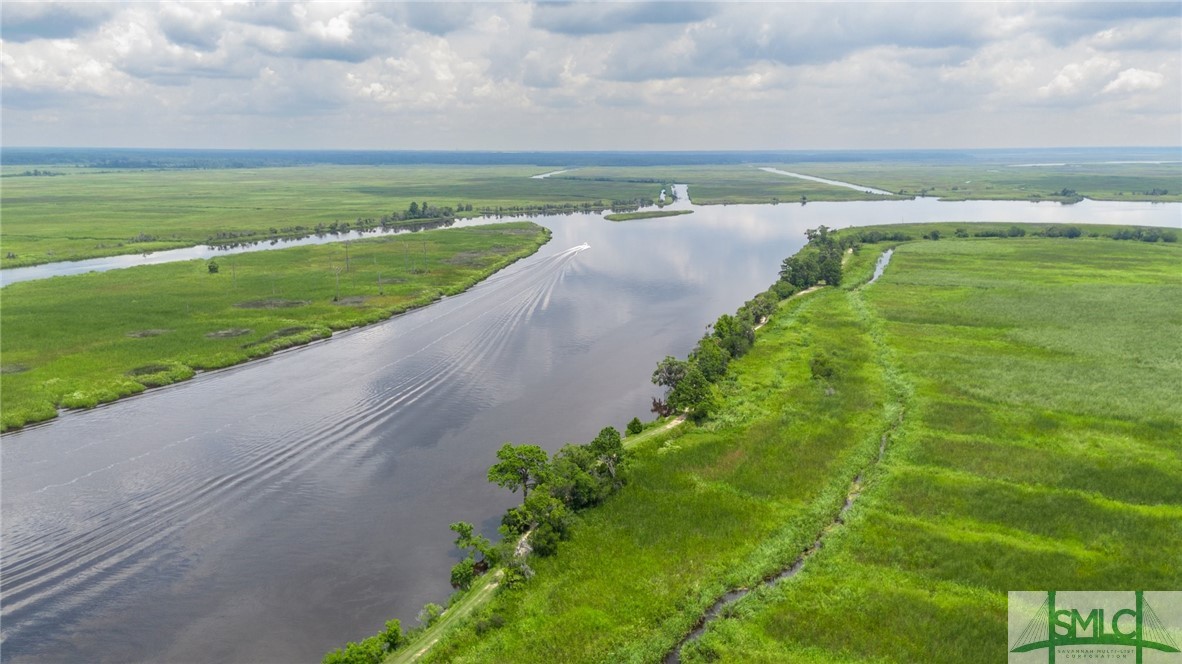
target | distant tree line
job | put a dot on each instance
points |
(37, 172)
(1146, 234)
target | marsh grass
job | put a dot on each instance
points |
(986, 181)
(89, 212)
(1041, 450)
(93, 338)
(724, 184)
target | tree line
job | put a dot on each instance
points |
(690, 383)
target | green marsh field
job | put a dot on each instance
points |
(81, 340)
(724, 184)
(87, 213)
(998, 181)
(1024, 389)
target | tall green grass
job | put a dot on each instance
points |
(82, 340)
(1040, 450)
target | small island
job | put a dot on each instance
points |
(650, 214)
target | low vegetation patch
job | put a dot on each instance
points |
(648, 214)
(141, 334)
(94, 338)
(228, 333)
(271, 303)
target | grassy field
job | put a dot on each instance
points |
(956, 182)
(82, 340)
(649, 214)
(1036, 448)
(723, 185)
(1041, 449)
(88, 213)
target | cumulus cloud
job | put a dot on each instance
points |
(585, 74)
(1135, 80)
(1079, 77)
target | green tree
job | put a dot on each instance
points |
(212, 266)
(474, 545)
(429, 614)
(734, 335)
(693, 394)
(520, 467)
(669, 372)
(463, 574)
(635, 426)
(392, 636)
(710, 358)
(609, 451)
(571, 477)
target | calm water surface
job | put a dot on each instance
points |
(273, 511)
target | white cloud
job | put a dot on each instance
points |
(1135, 80)
(585, 75)
(1079, 77)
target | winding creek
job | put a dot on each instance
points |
(273, 511)
(715, 610)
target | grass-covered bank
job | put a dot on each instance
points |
(1036, 449)
(1041, 450)
(81, 340)
(649, 214)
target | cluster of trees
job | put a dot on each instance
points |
(1068, 232)
(690, 383)
(628, 205)
(371, 650)
(819, 260)
(37, 172)
(544, 208)
(1146, 234)
(552, 490)
(874, 236)
(1012, 231)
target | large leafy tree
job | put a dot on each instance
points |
(519, 467)
(609, 449)
(693, 394)
(669, 372)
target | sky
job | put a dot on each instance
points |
(590, 75)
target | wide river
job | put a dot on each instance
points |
(273, 511)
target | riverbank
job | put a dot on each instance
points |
(736, 499)
(76, 342)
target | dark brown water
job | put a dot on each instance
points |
(273, 511)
